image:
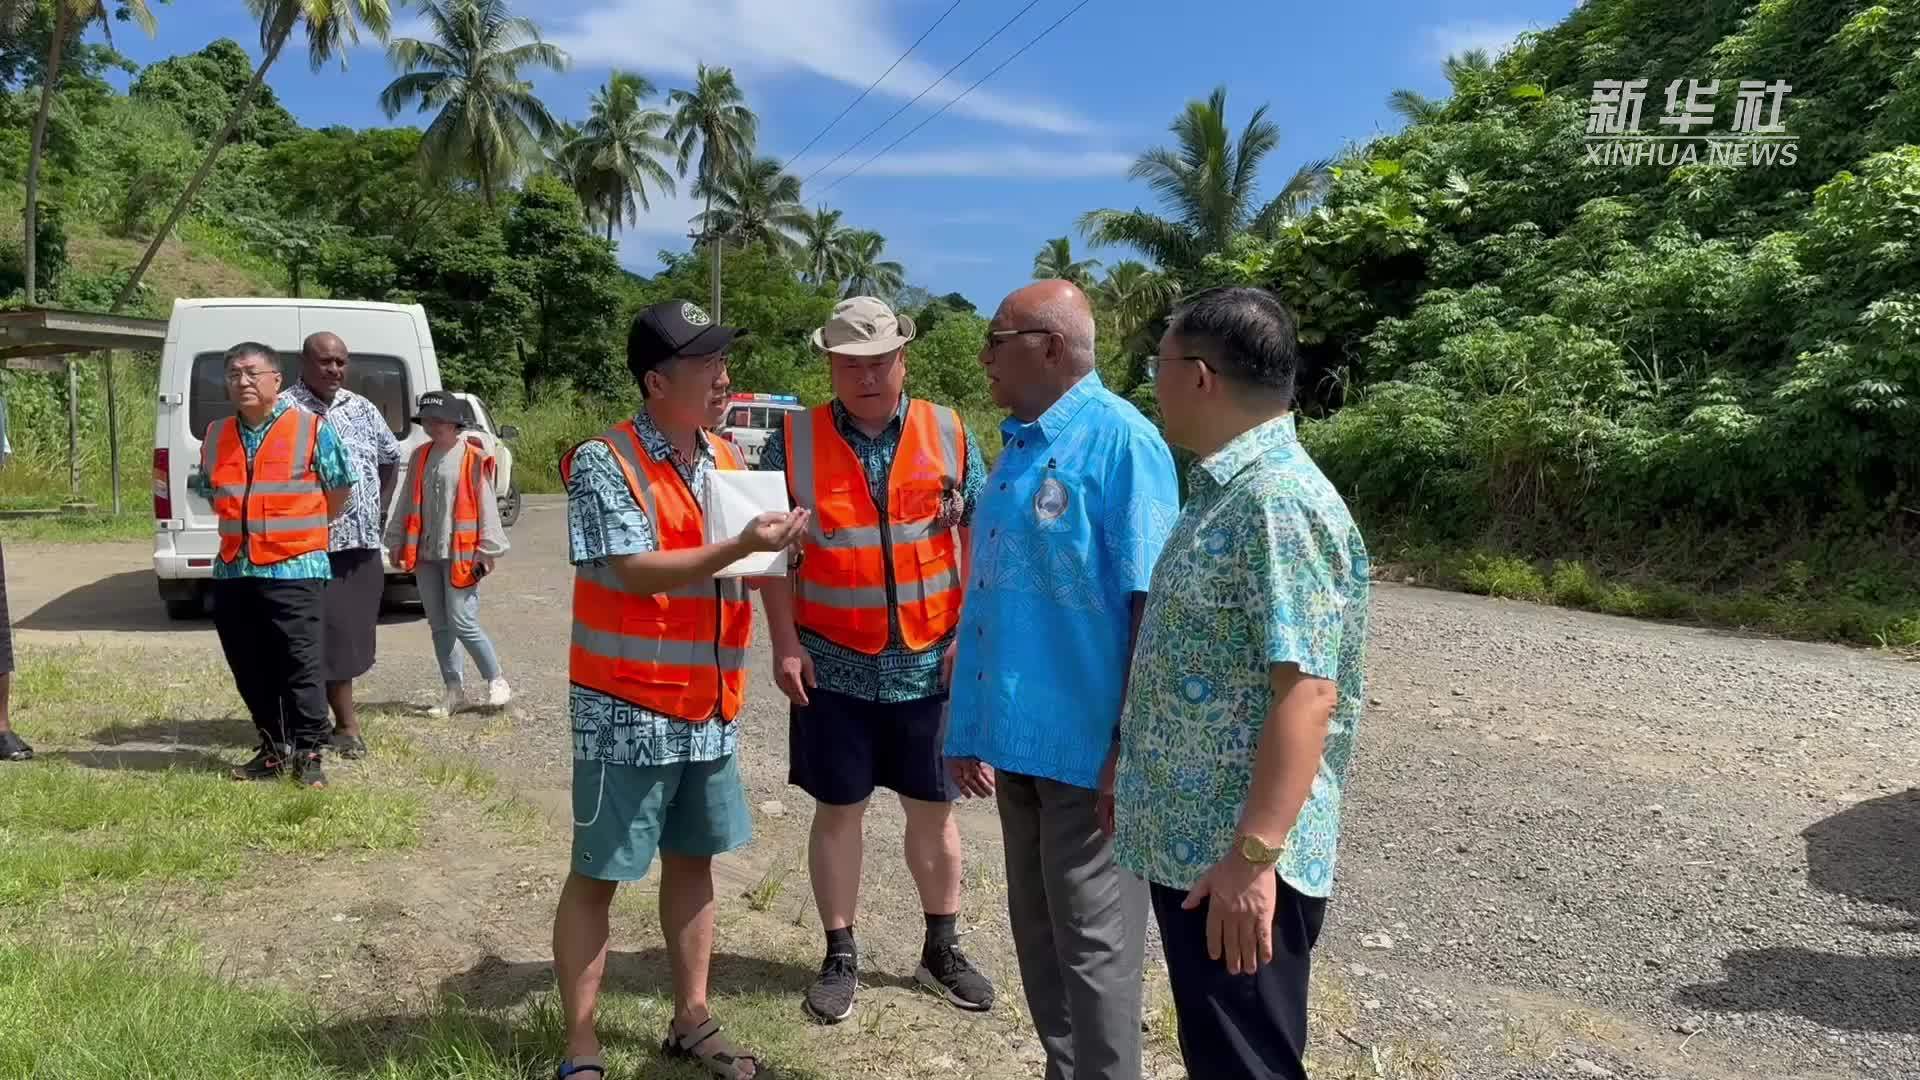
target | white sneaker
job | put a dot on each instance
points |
(454, 700)
(499, 693)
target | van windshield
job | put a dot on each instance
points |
(380, 379)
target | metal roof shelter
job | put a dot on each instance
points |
(48, 339)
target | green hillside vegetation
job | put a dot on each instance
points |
(1702, 375)
(1677, 390)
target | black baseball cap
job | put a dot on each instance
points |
(440, 405)
(674, 328)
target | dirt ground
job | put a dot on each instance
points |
(1574, 844)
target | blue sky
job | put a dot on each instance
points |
(966, 201)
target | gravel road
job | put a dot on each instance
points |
(1575, 845)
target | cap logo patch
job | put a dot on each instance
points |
(694, 316)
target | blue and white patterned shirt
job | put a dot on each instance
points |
(1066, 533)
(896, 673)
(370, 443)
(1265, 567)
(603, 522)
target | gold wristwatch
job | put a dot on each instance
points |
(1256, 851)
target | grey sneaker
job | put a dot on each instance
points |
(830, 999)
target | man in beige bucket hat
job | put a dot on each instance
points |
(863, 632)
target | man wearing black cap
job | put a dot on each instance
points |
(657, 669)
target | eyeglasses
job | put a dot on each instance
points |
(253, 376)
(997, 338)
(1153, 364)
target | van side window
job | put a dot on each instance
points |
(740, 418)
(380, 379)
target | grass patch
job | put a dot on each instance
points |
(1785, 607)
(766, 892)
(71, 830)
(120, 1010)
(76, 529)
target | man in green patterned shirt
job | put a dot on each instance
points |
(1244, 694)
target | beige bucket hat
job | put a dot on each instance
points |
(863, 326)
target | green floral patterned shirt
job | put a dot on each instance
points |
(1264, 567)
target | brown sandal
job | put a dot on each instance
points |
(704, 1046)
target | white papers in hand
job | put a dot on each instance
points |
(734, 498)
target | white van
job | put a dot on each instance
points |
(393, 364)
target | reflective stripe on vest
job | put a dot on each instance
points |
(852, 556)
(272, 504)
(463, 537)
(682, 652)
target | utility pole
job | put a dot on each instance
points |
(715, 240)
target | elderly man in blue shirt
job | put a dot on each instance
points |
(1065, 537)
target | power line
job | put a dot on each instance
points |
(963, 93)
(916, 98)
(870, 88)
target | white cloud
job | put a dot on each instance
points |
(1453, 38)
(849, 41)
(1014, 162)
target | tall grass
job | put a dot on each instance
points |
(36, 476)
(551, 426)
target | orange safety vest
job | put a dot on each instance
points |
(682, 652)
(463, 547)
(853, 560)
(272, 505)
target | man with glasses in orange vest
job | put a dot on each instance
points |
(658, 672)
(863, 632)
(277, 476)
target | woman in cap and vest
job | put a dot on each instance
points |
(446, 532)
(276, 476)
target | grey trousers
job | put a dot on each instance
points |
(1079, 929)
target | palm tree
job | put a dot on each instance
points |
(1055, 260)
(713, 116)
(867, 275)
(563, 159)
(824, 246)
(70, 19)
(1210, 184)
(622, 149)
(1414, 106)
(332, 25)
(1461, 70)
(1132, 294)
(755, 203)
(490, 123)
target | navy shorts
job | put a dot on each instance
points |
(840, 748)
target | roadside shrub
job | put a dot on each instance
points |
(1572, 585)
(1503, 576)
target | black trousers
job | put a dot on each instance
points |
(1241, 1027)
(270, 631)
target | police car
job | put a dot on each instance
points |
(752, 419)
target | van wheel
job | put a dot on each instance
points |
(399, 594)
(184, 599)
(510, 507)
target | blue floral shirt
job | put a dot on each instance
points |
(330, 459)
(370, 445)
(896, 673)
(1264, 567)
(604, 522)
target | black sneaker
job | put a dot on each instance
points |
(945, 970)
(830, 999)
(14, 748)
(306, 769)
(268, 764)
(351, 747)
